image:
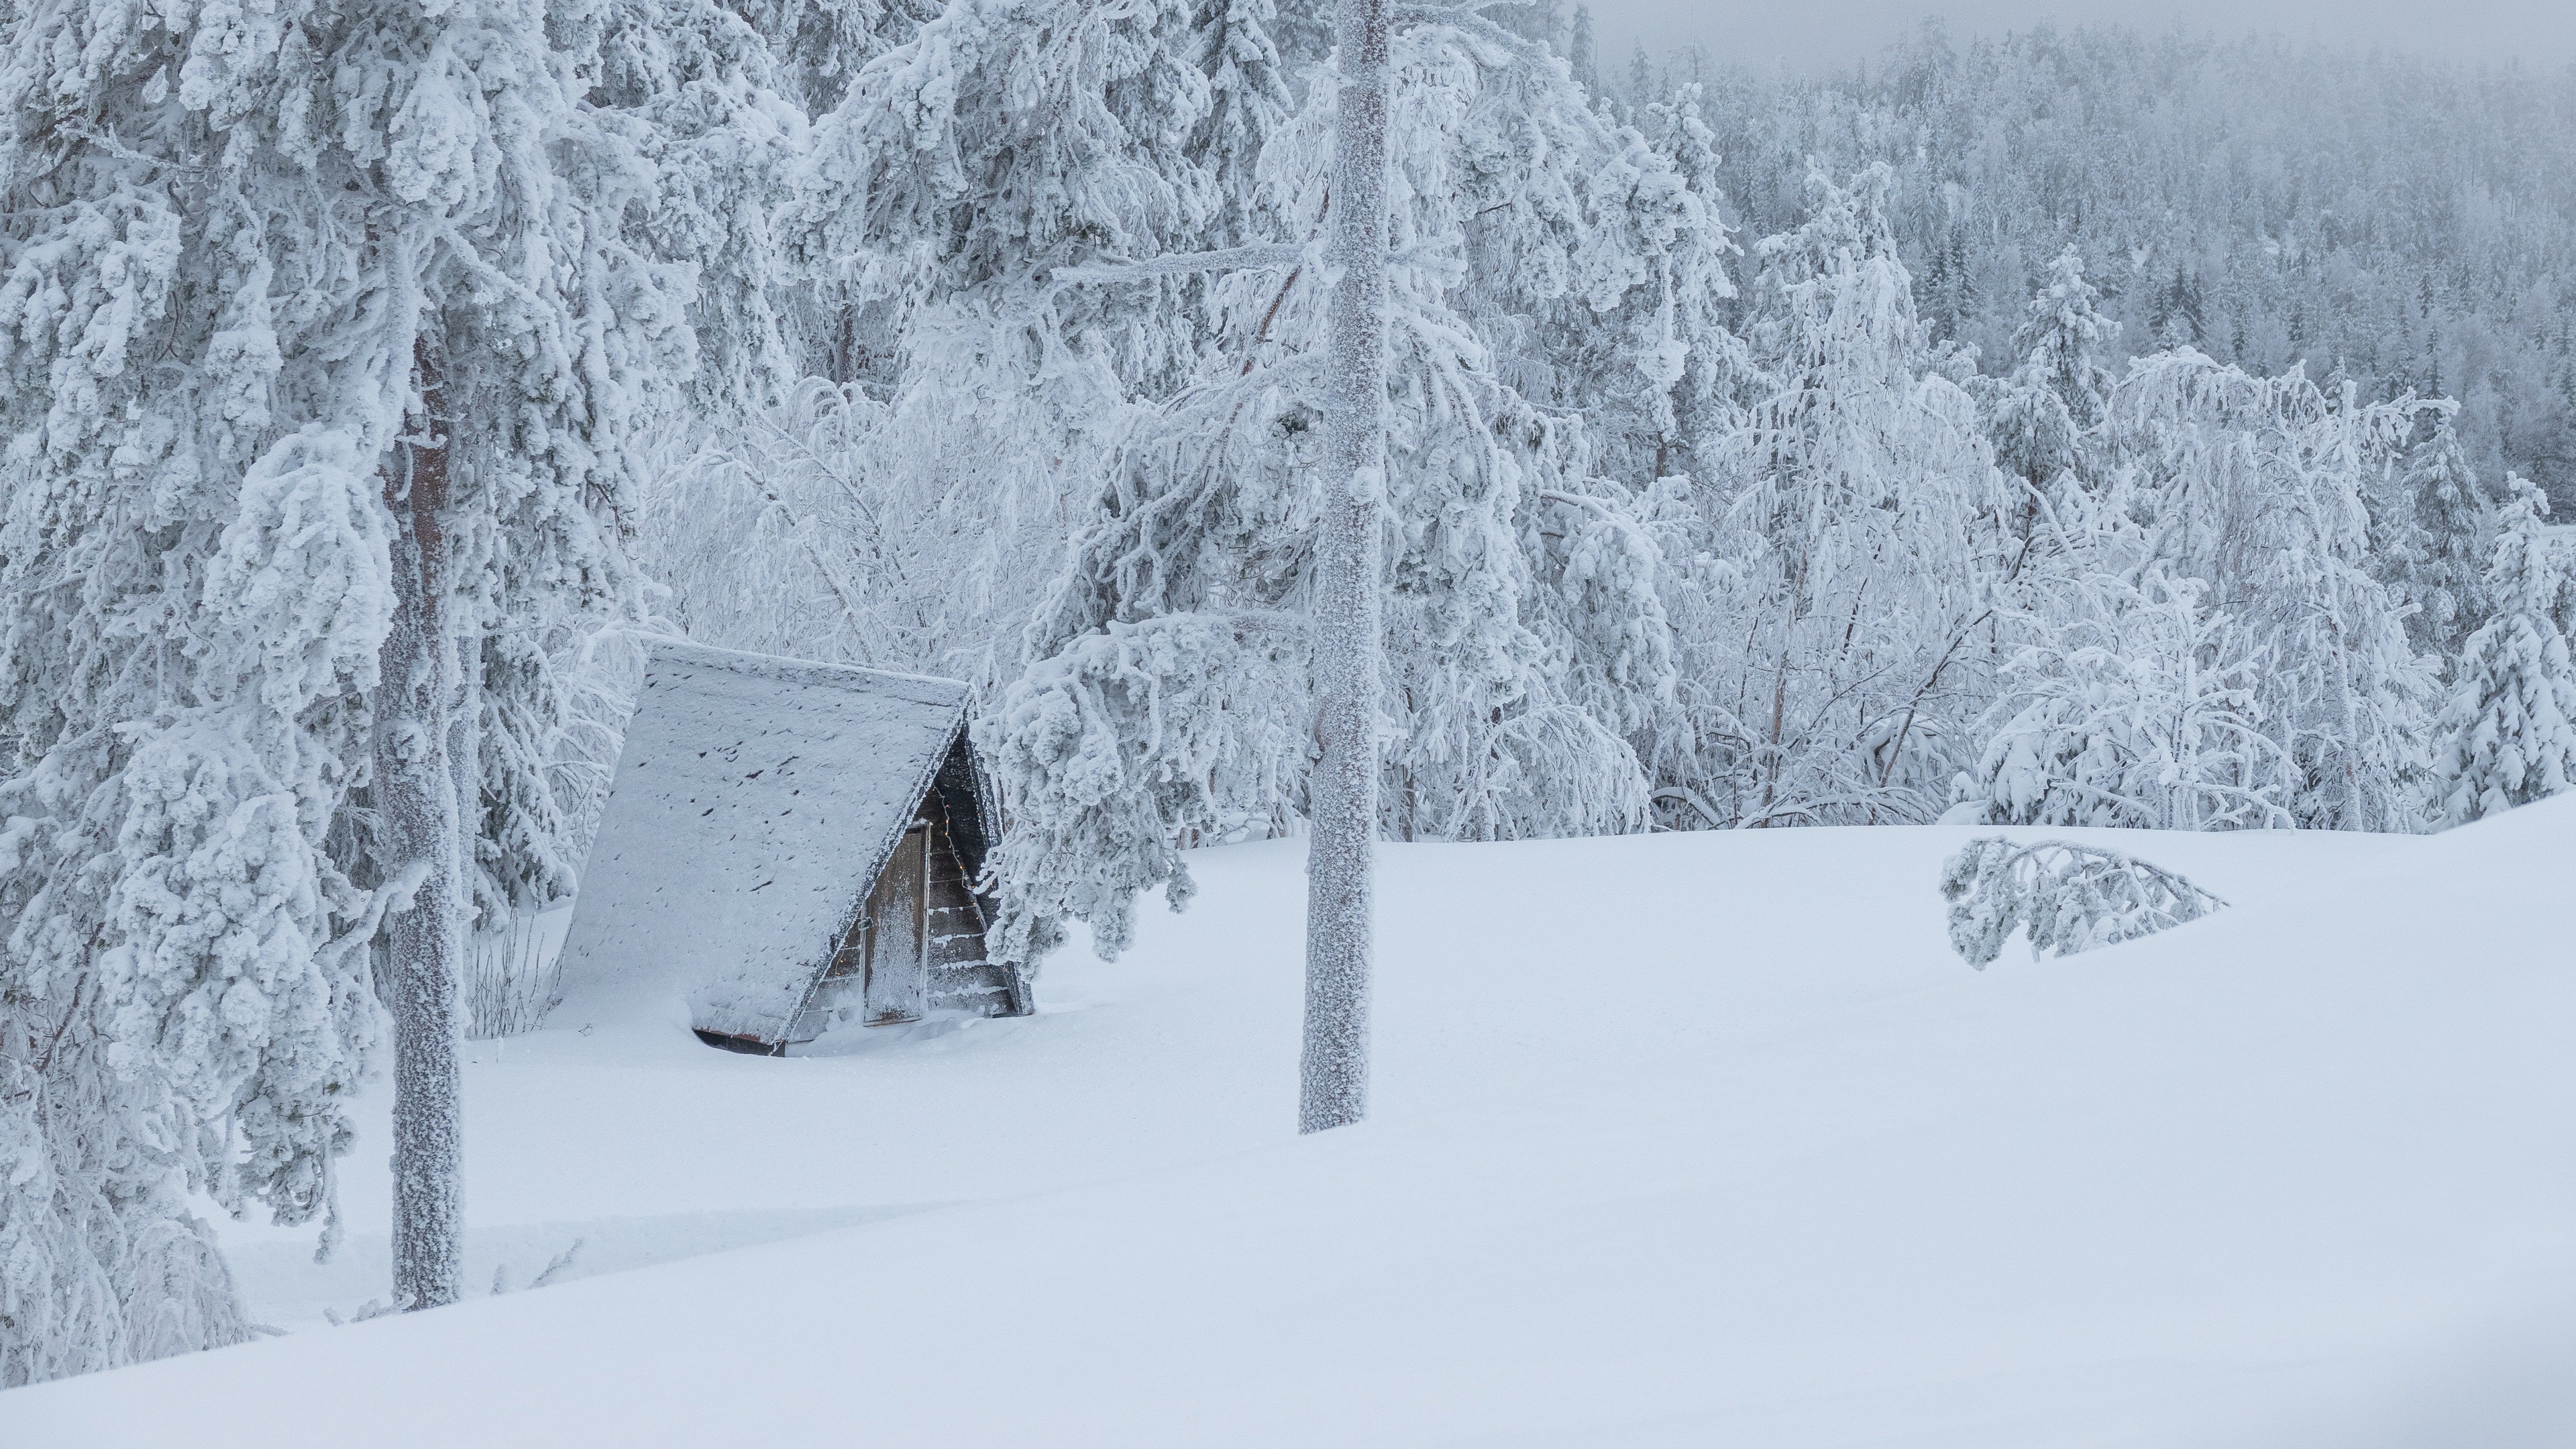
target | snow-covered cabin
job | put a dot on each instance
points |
(791, 845)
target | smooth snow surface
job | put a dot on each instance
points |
(1677, 1140)
(754, 801)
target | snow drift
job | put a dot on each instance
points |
(1680, 1139)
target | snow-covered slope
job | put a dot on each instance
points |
(1698, 1139)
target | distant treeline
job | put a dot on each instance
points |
(2407, 223)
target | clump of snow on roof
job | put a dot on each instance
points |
(752, 805)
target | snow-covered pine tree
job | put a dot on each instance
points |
(261, 267)
(2508, 736)
(2431, 536)
(1248, 97)
(1603, 287)
(1705, 408)
(192, 564)
(1010, 140)
(712, 105)
(1581, 52)
(1008, 144)
(2041, 414)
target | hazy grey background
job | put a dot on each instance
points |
(1815, 34)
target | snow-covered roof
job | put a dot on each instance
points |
(753, 803)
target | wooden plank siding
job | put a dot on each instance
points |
(959, 977)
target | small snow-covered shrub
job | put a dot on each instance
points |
(2069, 897)
(512, 973)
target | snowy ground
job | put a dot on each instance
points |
(1679, 1140)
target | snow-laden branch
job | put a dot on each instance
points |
(392, 898)
(2069, 898)
(1466, 20)
(1679, 795)
(1263, 257)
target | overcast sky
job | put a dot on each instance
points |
(1816, 33)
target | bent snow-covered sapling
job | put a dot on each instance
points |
(2069, 897)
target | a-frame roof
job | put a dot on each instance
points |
(753, 804)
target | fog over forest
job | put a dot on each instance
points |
(2409, 223)
(1839, 34)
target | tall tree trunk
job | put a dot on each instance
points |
(465, 768)
(415, 791)
(1341, 856)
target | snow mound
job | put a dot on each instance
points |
(1678, 1140)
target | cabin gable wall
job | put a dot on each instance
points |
(951, 812)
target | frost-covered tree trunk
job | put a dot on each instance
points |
(417, 704)
(1342, 856)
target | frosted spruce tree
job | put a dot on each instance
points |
(713, 106)
(287, 416)
(2042, 414)
(1699, 413)
(1249, 95)
(2431, 533)
(2508, 736)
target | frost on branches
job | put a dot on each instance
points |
(1003, 144)
(2508, 736)
(1524, 634)
(2257, 487)
(1844, 555)
(1138, 740)
(2068, 897)
(2130, 703)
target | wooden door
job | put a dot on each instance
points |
(898, 987)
